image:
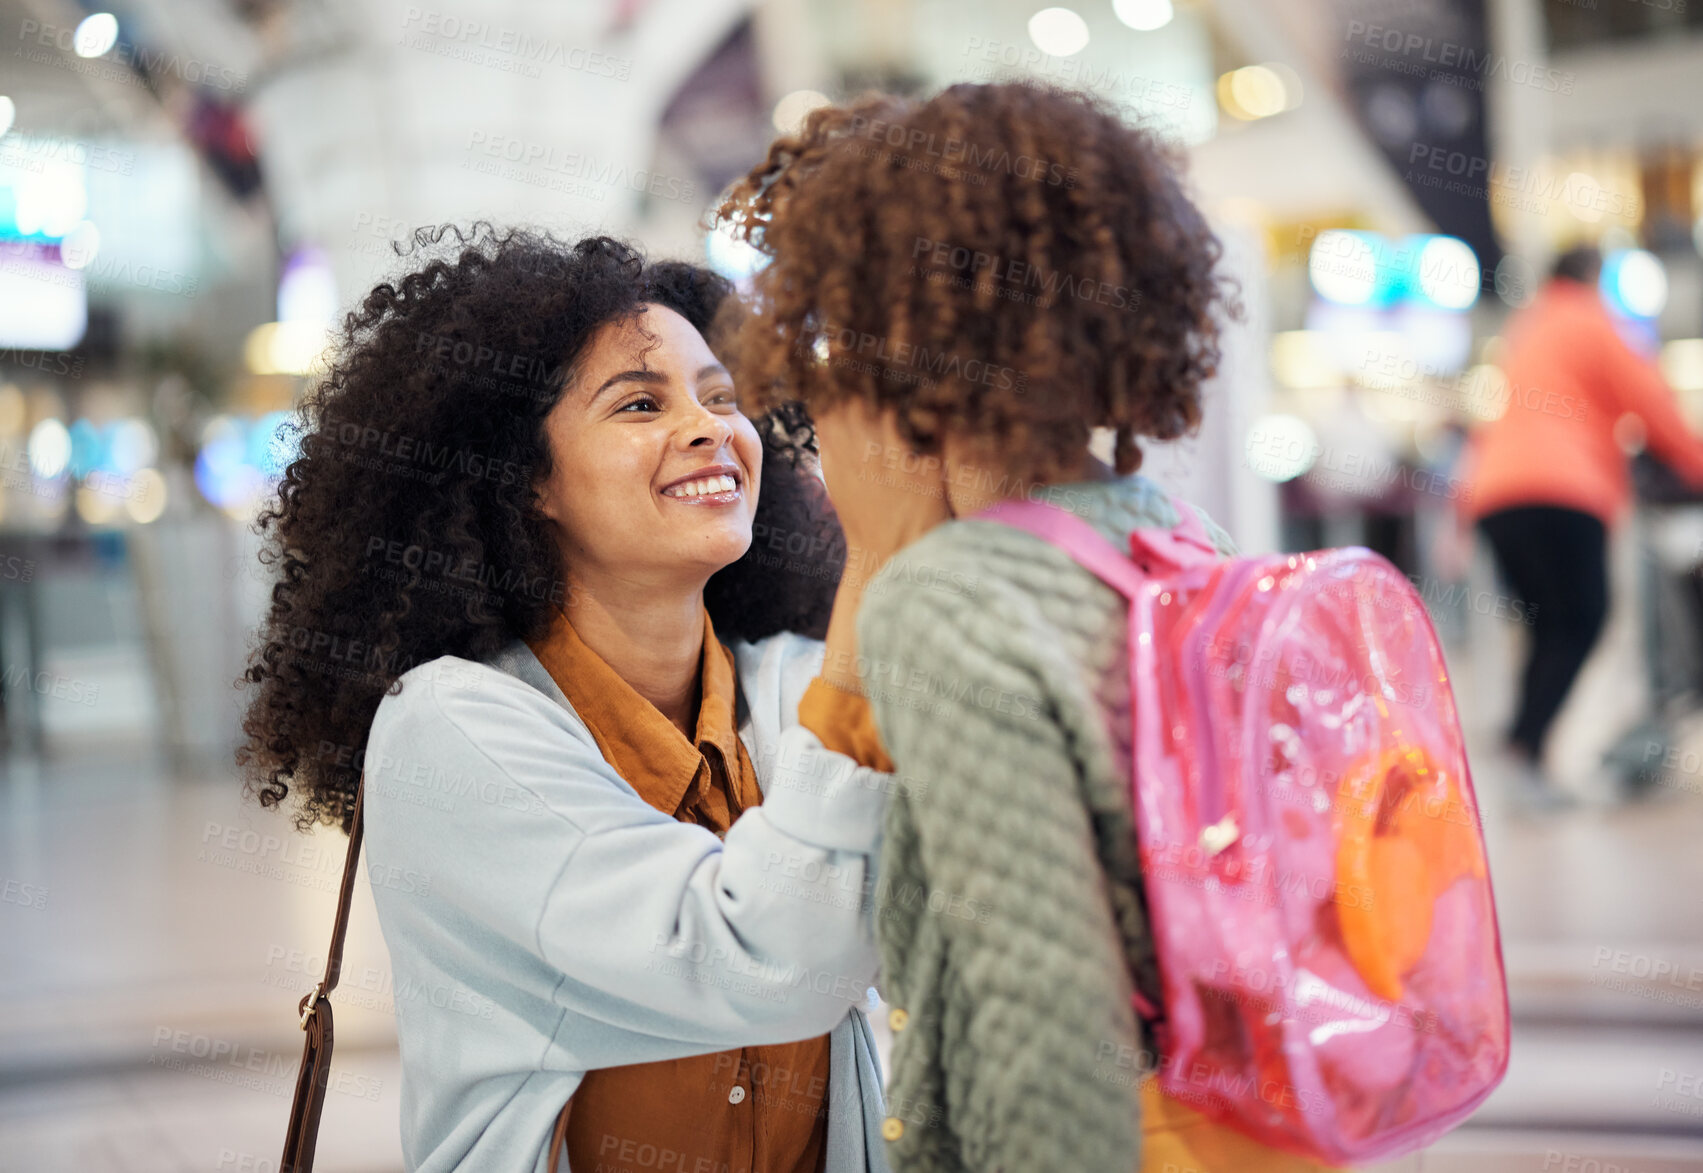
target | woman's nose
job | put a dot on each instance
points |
(708, 428)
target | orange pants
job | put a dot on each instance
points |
(1177, 1139)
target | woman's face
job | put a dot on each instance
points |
(656, 469)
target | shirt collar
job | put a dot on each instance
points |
(643, 746)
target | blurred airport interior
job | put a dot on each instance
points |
(193, 191)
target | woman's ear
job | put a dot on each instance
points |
(544, 502)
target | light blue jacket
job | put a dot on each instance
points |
(544, 920)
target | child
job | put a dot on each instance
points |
(961, 288)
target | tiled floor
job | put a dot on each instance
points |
(149, 1020)
(158, 930)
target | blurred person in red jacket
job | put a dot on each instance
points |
(1549, 477)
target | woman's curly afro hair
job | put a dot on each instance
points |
(1009, 262)
(408, 528)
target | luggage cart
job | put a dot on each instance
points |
(1667, 528)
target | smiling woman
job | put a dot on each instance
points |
(625, 842)
(654, 485)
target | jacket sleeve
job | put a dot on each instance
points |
(1636, 386)
(1034, 994)
(844, 723)
(650, 925)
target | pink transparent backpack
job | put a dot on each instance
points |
(1310, 842)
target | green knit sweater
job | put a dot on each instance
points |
(1010, 914)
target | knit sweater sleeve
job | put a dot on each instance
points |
(1032, 994)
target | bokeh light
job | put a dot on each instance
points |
(1059, 32)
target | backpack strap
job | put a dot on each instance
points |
(315, 1008)
(1151, 550)
(1185, 545)
(1189, 526)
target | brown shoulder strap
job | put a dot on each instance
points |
(559, 1138)
(315, 1010)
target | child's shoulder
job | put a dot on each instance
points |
(965, 549)
(970, 572)
(953, 561)
(977, 558)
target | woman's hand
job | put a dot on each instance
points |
(886, 497)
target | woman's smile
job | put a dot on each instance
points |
(721, 484)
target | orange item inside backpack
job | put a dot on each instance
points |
(1176, 1136)
(1406, 838)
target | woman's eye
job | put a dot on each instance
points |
(643, 403)
(725, 398)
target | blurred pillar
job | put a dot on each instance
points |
(1209, 468)
(1518, 118)
(789, 49)
(400, 117)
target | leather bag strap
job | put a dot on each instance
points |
(559, 1139)
(315, 1009)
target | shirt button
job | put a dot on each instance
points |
(737, 1095)
(897, 1018)
(892, 1128)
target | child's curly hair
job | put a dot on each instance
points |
(1011, 263)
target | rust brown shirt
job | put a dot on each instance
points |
(759, 1109)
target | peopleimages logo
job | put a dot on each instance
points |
(125, 60)
(914, 141)
(514, 50)
(413, 450)
(546, 159)
(840, 346)
(33, 154)
(1012, 278)
(1452, 58)
(1530, 189)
